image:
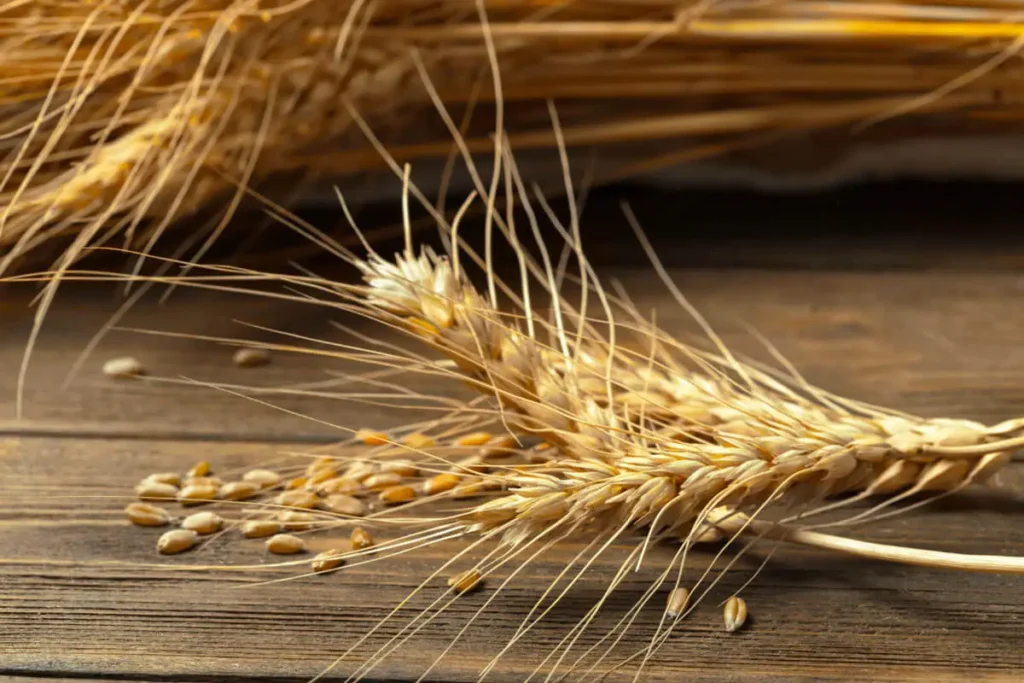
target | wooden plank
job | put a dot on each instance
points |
(67, 608)
(922, 341)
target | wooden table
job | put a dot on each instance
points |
(906, 323)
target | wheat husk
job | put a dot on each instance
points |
(121, 119)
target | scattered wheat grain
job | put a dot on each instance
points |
(172, 478)
(361, 539)
(197, 495)
(203, 522)
(402, 468)
(263, 478)
(372, 438)
(419, 441)
(465, 582)
(344, 504)
(200, 469)
(378, 482)
(339, 485)
(154, 490)
(402, 493)
(285, 544)
(123, 368)
(297, 498)
(296, 520)
(143, 514)
(441, 483)
(260, 528)
(296, 483)
(238, 490)
(328, 560)
(735, 614)
(177, 541)
(678, 599)
(251, 358)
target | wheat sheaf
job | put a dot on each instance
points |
(573, 434)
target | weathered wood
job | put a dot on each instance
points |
(68, 608)
(931, 342)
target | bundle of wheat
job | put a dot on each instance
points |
(119, 118)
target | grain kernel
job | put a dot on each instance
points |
(402, 468)
(239, 490)
(296, 483)
(200, 469)
(263, 478)
(260, 528)
(328, 560)
(171, 478)
(215, 482)
(678, 600)
(441, 483)
(372, 438)
(465, 582)
(197, 495)
(735, 614)
(154, 490)
(297, 499)
(419, 441)
(474, 439)
(500, 448)
(381, 481)
(296, 521)
(340, 485)
(251, 358)
(176, 541)
(203, 522)
(402, 493)
(324, 462)
(123, 368)
(320, 477)
(361, 539)
(343, 504)
(285, 544)
(359, 471)
(142, 514)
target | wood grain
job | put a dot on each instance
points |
(931, 342)
(67, 607)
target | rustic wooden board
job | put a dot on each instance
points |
(939, 342)
(66, 608)
(934, 342)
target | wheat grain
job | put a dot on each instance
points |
(142, 514)
(678, 600)
(285, 544)
(466, 581)
(197, 494)
(238, 490)
(361, 539)
(123, 368)
(155, 490)
(328, 560)
(203, 523)
(251, 358)
(177, 541)
(263, 478)
(735, 613)
(260, 528)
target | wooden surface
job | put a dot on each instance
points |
(940, 342)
